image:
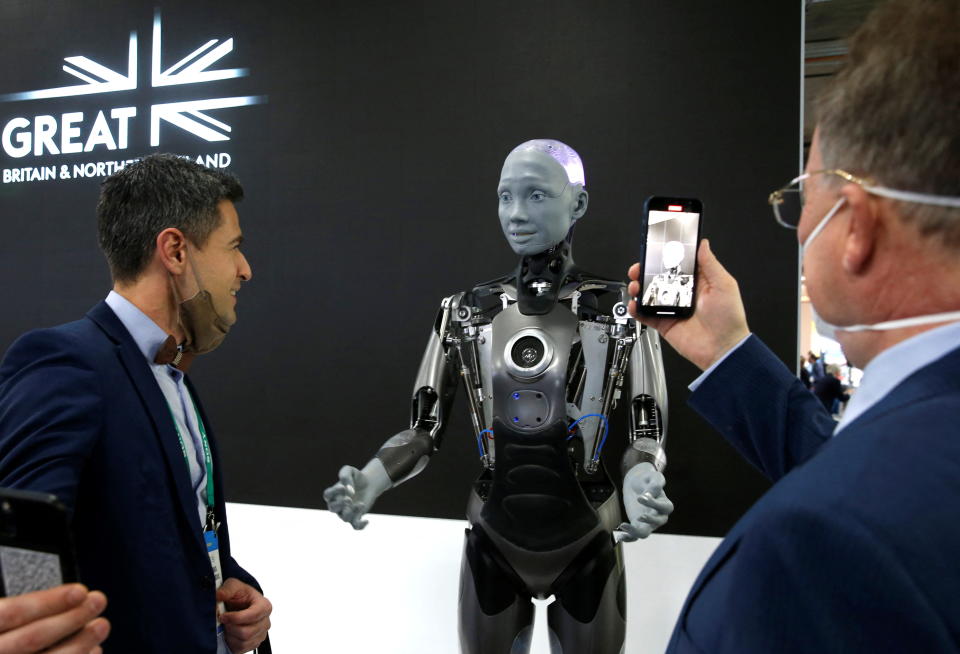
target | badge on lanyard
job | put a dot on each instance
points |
(210, 530)
(213, 551)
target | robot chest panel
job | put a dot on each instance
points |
(528, 362)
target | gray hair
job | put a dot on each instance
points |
(893, 113)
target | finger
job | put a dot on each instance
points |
(17, 611)
(639, 529)
(86, 641)
(248, 617)
(338, 504)
(242, 645)
(237, 595)
(626, 533)
(653, 520)
(634, 273)
(45, 631)
(347, 476)
(334, 492)
(633, 289)
(243, 638)
(359, 523)
(233, 587)
(711, 269)
(659, 504)
(246, 630)
(349, 513)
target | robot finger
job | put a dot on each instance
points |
(653, 519)
(358, 522)
(334, 493)
(638, 528)
(661, 504)
(348, 476)
(624, 534)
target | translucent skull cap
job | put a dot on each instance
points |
(560, 152)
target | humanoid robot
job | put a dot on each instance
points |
(670, 288)
(543, 366)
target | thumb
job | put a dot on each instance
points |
(232, 590)
(711, 270)
(348, 476)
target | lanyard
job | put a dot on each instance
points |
(207, 459)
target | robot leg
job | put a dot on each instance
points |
(495, 613)
(589, 615)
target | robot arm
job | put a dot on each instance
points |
(405, 454)
(642, 465)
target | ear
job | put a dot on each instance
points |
(863, 232)
(172, 250)
(581, 199)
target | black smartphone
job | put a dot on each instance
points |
(36, 546)
(671, 232)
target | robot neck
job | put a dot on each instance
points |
(540, 277)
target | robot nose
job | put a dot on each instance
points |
(517, 213)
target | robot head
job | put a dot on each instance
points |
(541, 195)
(672, 254)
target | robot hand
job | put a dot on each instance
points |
(352, 496)
(646, 504)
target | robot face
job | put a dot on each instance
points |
(537, 204)
(672, 254)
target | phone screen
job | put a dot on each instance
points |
(668, 287)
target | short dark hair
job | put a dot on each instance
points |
(151, 195)
(893, 112)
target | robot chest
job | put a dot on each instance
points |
(528, 368)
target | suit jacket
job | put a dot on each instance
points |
(827, 389)
(82, 417)
(855, 547)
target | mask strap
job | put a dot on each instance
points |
(911, 196)
(196, 275)
(823, 223)
(903, 322)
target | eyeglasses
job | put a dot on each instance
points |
(787, 202)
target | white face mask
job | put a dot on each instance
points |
(828, 330)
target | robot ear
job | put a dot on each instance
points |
(581, 200)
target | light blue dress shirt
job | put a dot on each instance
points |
(149, 338)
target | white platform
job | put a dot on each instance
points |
(392, 588)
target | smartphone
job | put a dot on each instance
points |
(36, 546)
(671, 232)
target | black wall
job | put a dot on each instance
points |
(370, 174)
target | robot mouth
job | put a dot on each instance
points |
(522, 234)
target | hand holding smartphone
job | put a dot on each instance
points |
(671, 232)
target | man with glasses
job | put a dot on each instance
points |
(854, 549)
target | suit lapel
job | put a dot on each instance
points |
(156, 408)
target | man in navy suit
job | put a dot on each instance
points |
(855, 547)
(100, 413)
